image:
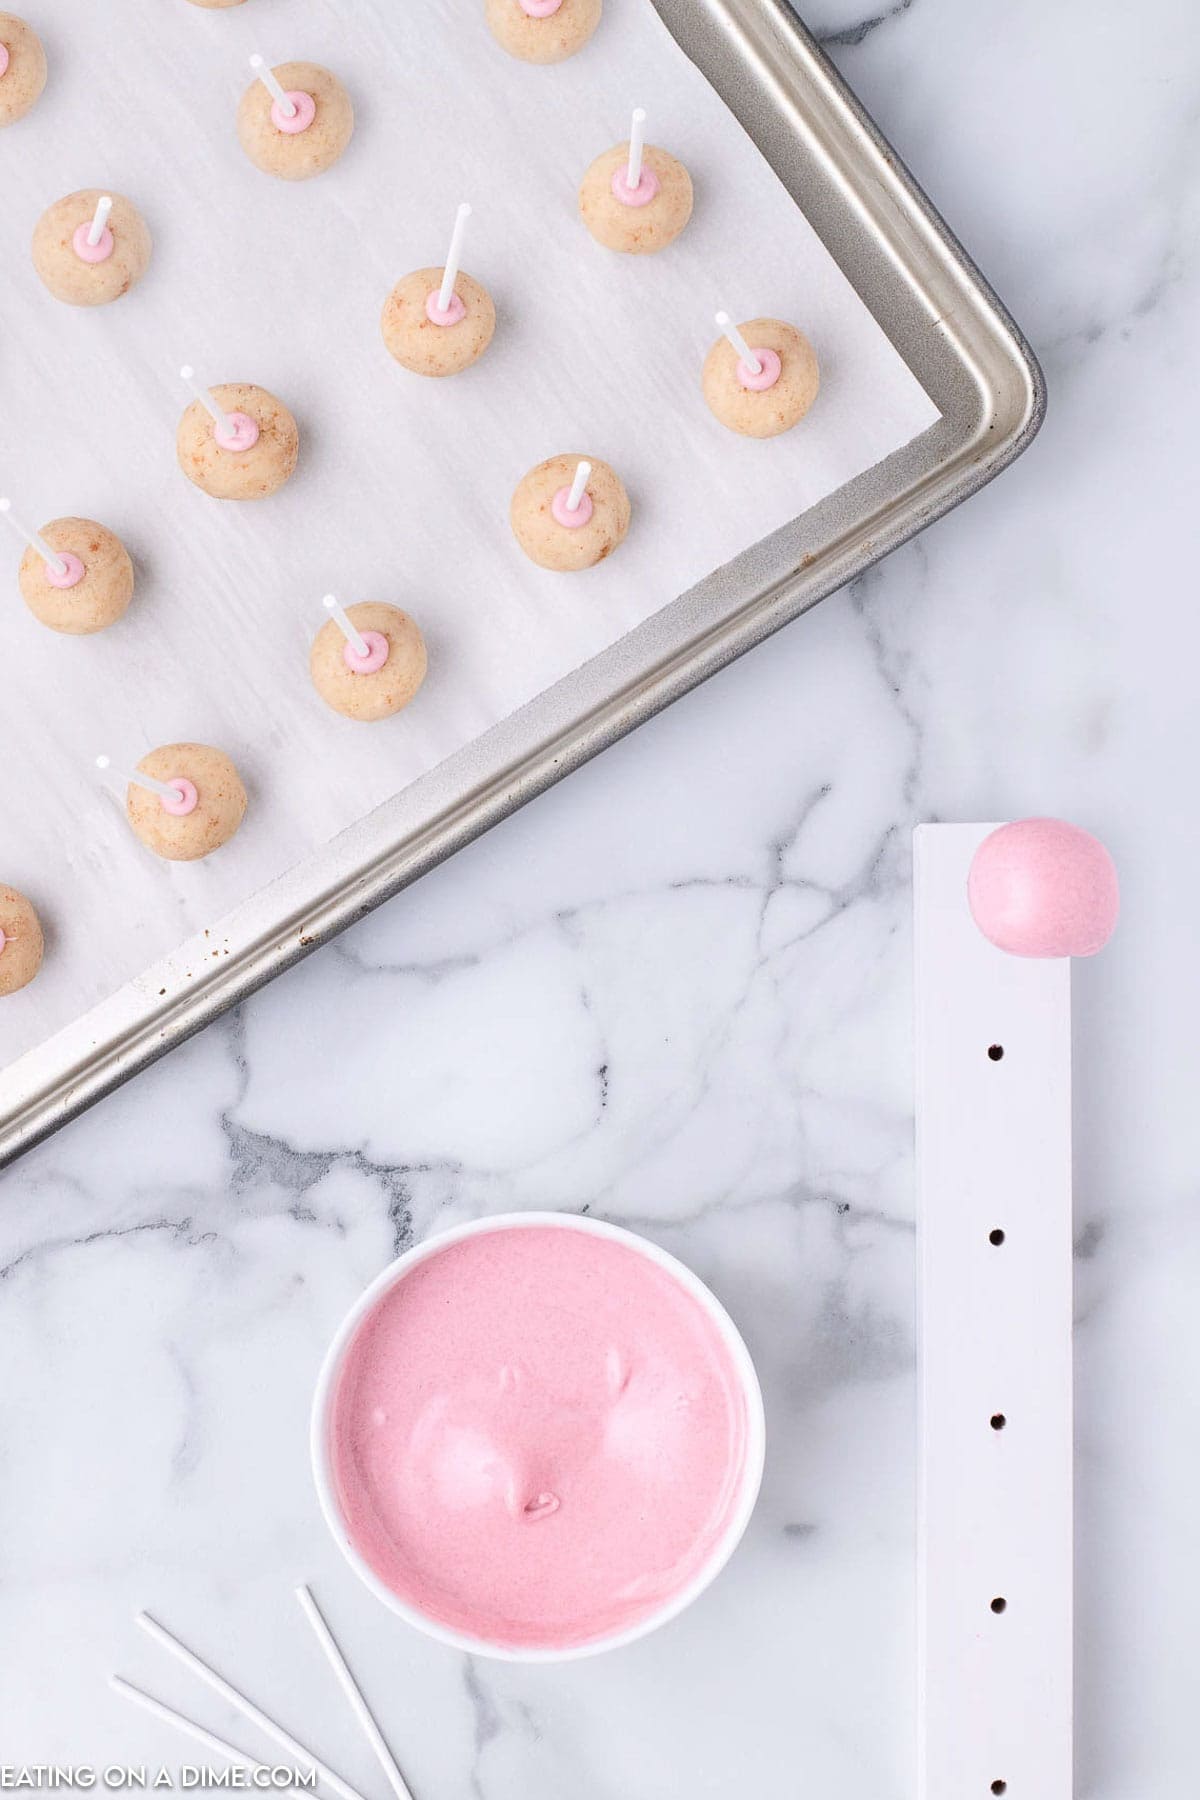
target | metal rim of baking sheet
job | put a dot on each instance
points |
(950, 328)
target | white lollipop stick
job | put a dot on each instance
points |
(453, 257)
(246, 1707)
(579, 486)
(165, 790)
(739, 343)
(104, 206)
(345, 625)
(267, 77)
(637, 144)
(353, 1693)
(32, 538)
(199, 1733)
(221, 420)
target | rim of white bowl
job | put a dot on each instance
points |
(752, 1461)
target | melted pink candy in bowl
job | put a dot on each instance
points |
(537, 1437)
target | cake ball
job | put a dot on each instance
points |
(762, 404)
(22, 69)
(312, 138)
(81, 272)
(426, 340)
(95, 586)
(20, 927)
(543, 31)
(556, 535)
(211, 802)
(636, 219)
(250, 461)
(376, 685)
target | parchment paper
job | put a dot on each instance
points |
(403, 486)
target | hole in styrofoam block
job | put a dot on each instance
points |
(999, 1787)
(999, 1604)
(996, 1236)
(998, 1421)
(996, 1052)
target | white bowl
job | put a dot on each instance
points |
(752, 1462)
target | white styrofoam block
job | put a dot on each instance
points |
(995, 1506)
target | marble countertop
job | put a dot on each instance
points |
(677, 990)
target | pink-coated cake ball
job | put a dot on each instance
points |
(1041, 887)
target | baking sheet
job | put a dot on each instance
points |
(403, 486)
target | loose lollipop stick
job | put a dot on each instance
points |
(221, 420)
(739, 343)
(579, 486)
(165, 790)
(453, 257)
(353, 1693)
(198, 1733)
(341, 619)
(246, 1707)
(267, 77)
(48, 556)
(104, 206)
(637, 145)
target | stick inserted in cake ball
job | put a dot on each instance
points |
(578, 487)
(346, 626)
(94, 242)
(637, 146)
(55, 563)
(453, 259)
(178, 797)
(267, 76)
(220, 419)
(745, 354)
(232, 431)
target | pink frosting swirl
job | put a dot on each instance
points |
(186, 801)
(244, 435)
(563, 513)
(301, 119)
(454, 314)
(769, 371)
(72, 575)
(378, 650)
(646, 190)
(92, 253)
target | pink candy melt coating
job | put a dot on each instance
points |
(540, 9)
(563, 513)
(1041, 887)
(187, 798)
(3, 938)
(3, 59)
(537, 1437)
(377, 653)
(301, 119)
(98, 252)
(73, 574)
(770, 369)
(244, 435)
(641, 195)
(454, 314)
